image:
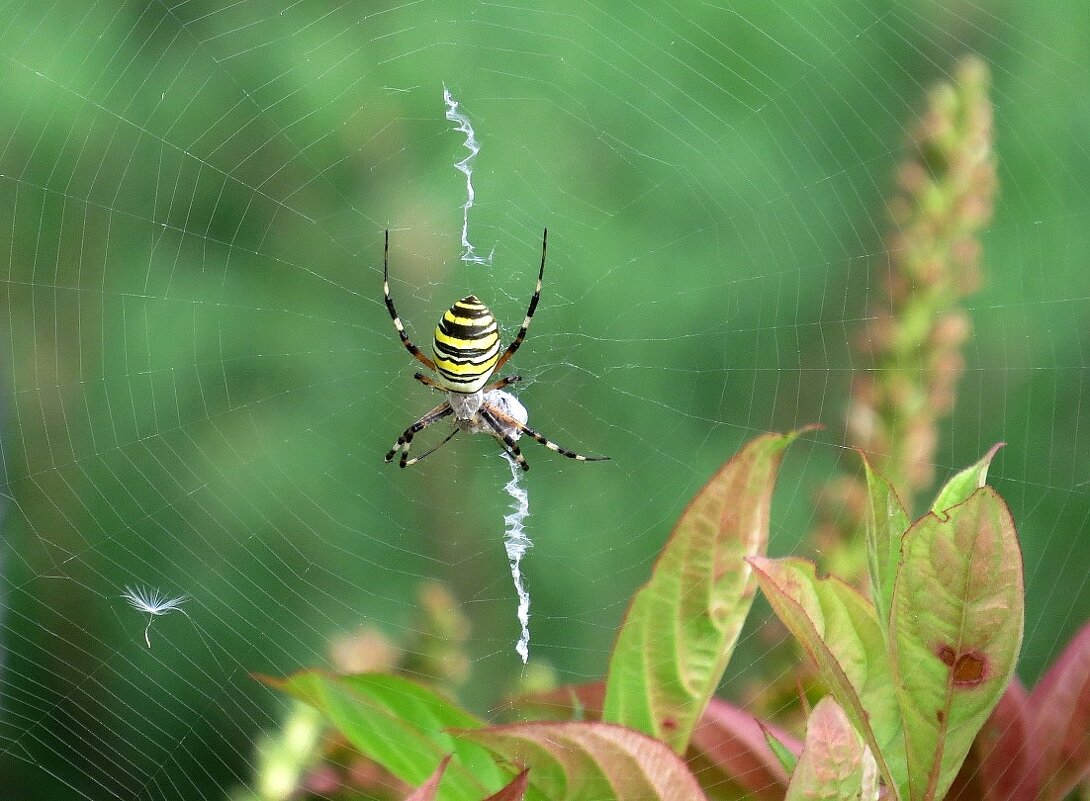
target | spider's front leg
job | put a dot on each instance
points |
(404, 442)
(503, 382)
(433, 384)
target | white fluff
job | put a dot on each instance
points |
(516, 543)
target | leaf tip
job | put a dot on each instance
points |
(809, 428)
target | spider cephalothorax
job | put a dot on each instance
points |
(466, 347)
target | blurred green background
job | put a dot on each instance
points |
(201, 379)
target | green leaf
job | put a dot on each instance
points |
(682, 625)
(886, 521)
(835, 765)
(402, 726)
(581, 761)
(784, 754)
(955, 631)
(962, 485)
(839, 629)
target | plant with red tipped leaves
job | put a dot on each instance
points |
(920, 701)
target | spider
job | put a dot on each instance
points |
(466, 347)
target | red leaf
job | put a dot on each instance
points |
(1061, 704)
(730, 748)
(515, 791)
(427, 791)
(1003, 763)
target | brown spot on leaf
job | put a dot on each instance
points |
(669, 723)
(940, 716)
(967, 668)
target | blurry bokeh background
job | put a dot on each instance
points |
(200, 378)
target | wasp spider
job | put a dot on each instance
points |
(466, 347)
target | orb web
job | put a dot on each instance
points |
(201, 377)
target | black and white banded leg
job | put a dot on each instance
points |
(492, 418)
(432, 450)
(415, 351)
(404, 442)
(521, 335)
(510, 422)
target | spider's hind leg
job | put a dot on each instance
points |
(510, 422)
(492, 418)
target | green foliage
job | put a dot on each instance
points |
(955, 633)
(907, 699)
(682, 625)
(399, 724)
(885, 520)
(838, 629)
(964, 483)
(920, 688)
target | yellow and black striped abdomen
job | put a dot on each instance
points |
(466, 346)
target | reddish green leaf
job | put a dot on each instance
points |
(584, 761)
(955, 631)
(886, 522)
(729, 751)
(838, 628)
(835, 765)
(682, 625)
(1061, 702)
(428, 790)
(567, 702)
(401, 725)
(1001, 765)
(962, 485)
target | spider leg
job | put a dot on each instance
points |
(405, 440)
(428, 453)
(415, 351)
(489, 415)
(503, 382)
(429, 382)
(521, 335)
(511, 422)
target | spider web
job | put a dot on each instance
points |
(201, 377)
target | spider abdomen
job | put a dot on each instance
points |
(466, 346)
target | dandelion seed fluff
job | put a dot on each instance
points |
(153, 603)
